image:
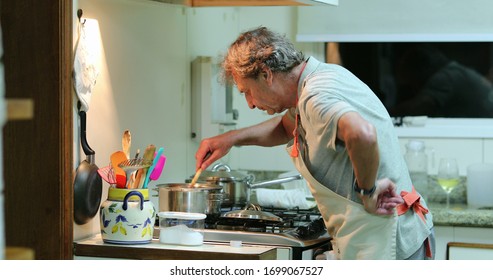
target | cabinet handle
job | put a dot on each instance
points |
(19, 109)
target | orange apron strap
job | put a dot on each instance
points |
(412, 200)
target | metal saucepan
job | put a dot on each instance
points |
(88, 185)
(234, 183)
(237, 185)
(182, 197)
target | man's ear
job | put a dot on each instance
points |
(267, 75)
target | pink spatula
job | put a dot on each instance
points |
(156, 172)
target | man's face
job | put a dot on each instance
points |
(259, 93)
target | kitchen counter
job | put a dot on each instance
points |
(94, 247)
(461, 215)
(458, 215)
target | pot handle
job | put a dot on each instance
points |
(128, 195)
(217, 167)
(274, 182)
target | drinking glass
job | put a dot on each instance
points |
(448, 176)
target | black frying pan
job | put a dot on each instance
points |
(88, 185)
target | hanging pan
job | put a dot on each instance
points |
(88, 184)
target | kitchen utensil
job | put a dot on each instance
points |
(127, 217)
(182, 197)
(126, 143)
(234, 183)
(132, 165)
(196, 177)
(252, 212)
(117, 158)
(88, 185)
(156, 173)
(237, 185)
(141, 173)
(107, 174)
(157, 156)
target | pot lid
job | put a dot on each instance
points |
(252, 214)
(222, 172)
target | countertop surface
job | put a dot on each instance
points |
(457, 215)
(94, 247)
(461, 215)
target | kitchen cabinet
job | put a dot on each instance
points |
(459, 241)
(228, 3)
(37, 150)
(399, 20)
(460, 224)
(469, 251)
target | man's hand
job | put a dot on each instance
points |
(384, 200)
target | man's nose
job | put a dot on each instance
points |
(249, 101)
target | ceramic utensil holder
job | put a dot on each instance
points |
(127, 217)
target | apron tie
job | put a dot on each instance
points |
(412, 200)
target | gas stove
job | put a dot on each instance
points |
(302, 231)
(297, 228)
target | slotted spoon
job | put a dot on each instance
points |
(132, 165)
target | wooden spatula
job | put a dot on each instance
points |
(141, 173)
(120, 176)
(126, 142)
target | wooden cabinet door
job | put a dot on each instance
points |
(37, 153)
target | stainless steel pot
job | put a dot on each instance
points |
(182, 197)
(237, 185)
(234, 183)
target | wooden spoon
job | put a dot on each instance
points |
(120, 176)
(127, 142)
(197, 174)
(141, 173)
(196, 177)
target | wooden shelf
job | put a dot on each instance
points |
(231, 3)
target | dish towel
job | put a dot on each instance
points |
(286, 199)
(85, 69)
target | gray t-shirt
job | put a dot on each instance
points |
(326, 92)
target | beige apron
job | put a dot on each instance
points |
(356, 233)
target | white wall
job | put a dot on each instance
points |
(144, 82)
(142, 85)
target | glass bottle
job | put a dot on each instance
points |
(417, 163)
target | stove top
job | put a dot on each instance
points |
(296, 228)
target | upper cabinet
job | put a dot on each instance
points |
(397, 20)
(230, 3)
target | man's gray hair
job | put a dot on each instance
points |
(258, 48)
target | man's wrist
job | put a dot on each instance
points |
(361, 191)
